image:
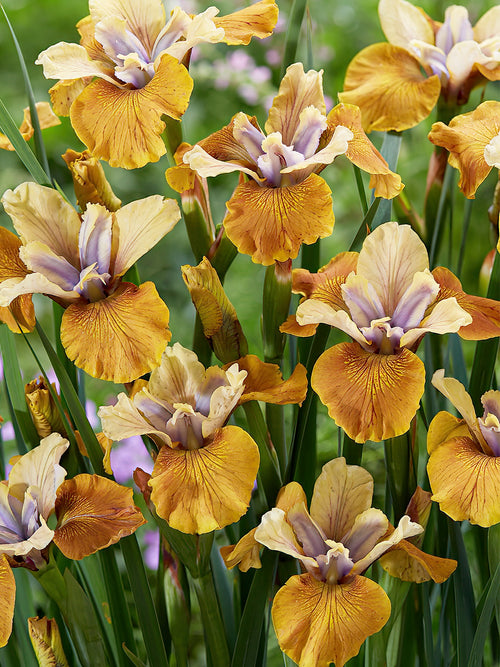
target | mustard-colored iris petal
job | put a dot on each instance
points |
(271, 223)
(46, 642)
(292, 327)
(46, 118)
(485, 312)
(445, 427)
(264, 382)
(408, 563)
(371, 396)
(245, 554)
(64, 93)
(124, 126)
(341, 493)
(465, 138)
(465, 481)
(387, 84)
(89, 181)
(205, 489)
(257, 20)
(118, 338)
(363, 153)
(326, 284)
(92, 513)
(21, 310)
(8, 588)
(317, 624)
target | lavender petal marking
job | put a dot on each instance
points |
(417, 298)
(308, 534)
(248, 136)
(490, 422)
(95, 238)
(277, 157)
(456, 28)
(312, 124)
(39, 258)
(118, 42)
(362, 300)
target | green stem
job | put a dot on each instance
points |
(212, 621)
(293, 33)
(352, 451)
(400, 472)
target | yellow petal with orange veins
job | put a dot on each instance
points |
(124, 127)
(387, 84)
(46, 642)
(271, 223)
(341, 493)
(485, 312)
(326, 284)
(200, 490)
(92, 513)
(293, 328)
(245, 554)
(371, 396)
(264, 382)
(119, 338)
(445, 427)
(408, 563)
(181, 177)
(258, 20)
(317, 624)
(64, 93)
(465, 481)
(466, 138)
(298, 90)
(21, 310)
(8, 588)
(363, 153)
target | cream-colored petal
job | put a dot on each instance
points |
(39, 258)
(141, 224)
(298, 90)
(461, 60)
(401, 22)
(178, 377)
(123, 420)
(33, 283)
(446, 317)
(389, 258)
(42, 214)
(40, 468)
(338, 145)
(145, 19)
(71, 61)
(341, 493)
(206, 165)
(488, 25)
(313, 311)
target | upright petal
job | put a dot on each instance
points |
(401, 22)
(317, 624)
(205, 489)
(257, 20)
(8, 588)
(271, 223)
(488, 25)
(92, 513)
(144, 19)
(118, 338)
(386, 82)
(341, 493)
(371, 396)
(124, 127)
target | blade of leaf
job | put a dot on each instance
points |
(390, 151)
(477, 651)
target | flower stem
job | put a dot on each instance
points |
(212, 621)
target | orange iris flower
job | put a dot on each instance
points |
(386, 299)
(464, 455)
(326, 613)
(126, 73)
(112, 329)
(397, 85)
(204, 473)
(284, 202)
(92, 513)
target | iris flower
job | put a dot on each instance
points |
(204, 473)
(397, 85)
(473, 142)
(464, 455)
(326, 613)
(126, 73)
(285, 202)
(386, 300)
(92, 513)
(112, 329)
(46, 118)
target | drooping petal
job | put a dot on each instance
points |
(271, 223)
(389, 259)
(488, 25)
(205, 489)
(264, 382)
(40, 468)
(92, 513)
(312, 311)
(41, 214)
(445, 427)
(276, 533)
(257, 20)
(408, 563)
(298, 90)
(244, 554)
(21, 311)
(387, 84)
(363, 153)
(446, 316)
(466, 139)
(118, 338)
(206, 165)
(371, 396)
(46, 118)
(341, 493)
(8, 588)
(141, 224)
(64, 93)
(317, 624)
(72, 61)
(46, 642)
(124, 127)
(401, 22)
(34, 283)
(485, 312)
(465, 481)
